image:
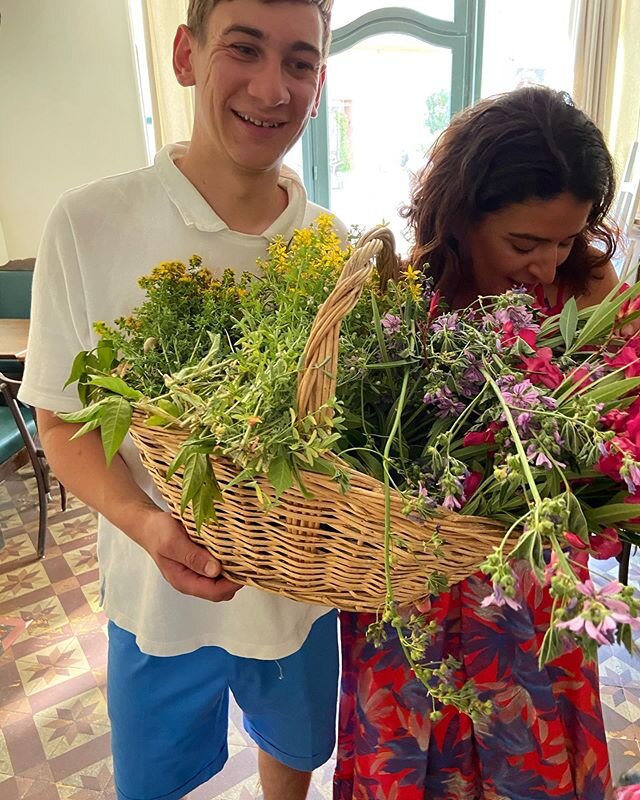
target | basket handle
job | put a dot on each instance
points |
(317, 382)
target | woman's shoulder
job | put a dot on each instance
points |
(601, 281)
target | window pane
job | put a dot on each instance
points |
(527, 43)
(345, 11)
(293, 158)
(381, 128)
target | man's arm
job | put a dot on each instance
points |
(81, 466)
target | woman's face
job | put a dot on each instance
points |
(524, 243)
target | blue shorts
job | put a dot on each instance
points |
(169, 714)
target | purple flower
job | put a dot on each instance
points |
(521, 395)
(630, 473)
(446, 403)
(391, 324)
(523, 422)
(445, 322)
(451, 503)
(472, 379)
(519, 316)
(499, 598)
(538, 458)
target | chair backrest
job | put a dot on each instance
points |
(15, 293)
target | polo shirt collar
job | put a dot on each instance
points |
(197, 213)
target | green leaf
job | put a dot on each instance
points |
(569, 321)
(602, 316)
(106, 355)
(115, 420)
(203, 503)
(84, 414)
(612, 513)
(606, 392)
(280, 475)
(157, 422)
(577, 521)
(116, 385)
(90, 426)
(78, 368)
(177, 461)
(195, 468)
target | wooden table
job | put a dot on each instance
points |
(13, 338)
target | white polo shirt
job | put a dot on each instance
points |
(100, 238)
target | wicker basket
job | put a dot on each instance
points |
(328, 550)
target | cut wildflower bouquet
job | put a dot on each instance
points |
(371, 475)
(508, 411)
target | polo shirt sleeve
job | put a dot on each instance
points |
(59, 327)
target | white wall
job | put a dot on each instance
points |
(69, 107)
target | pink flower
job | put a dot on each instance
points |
(605, 544)
(499, 598)
(600, 612)
(487, 436)
(627, 358)
(575, 541)
(541, 370)
(580, 376)
(433, 305)
(628, 792)
(510, 335)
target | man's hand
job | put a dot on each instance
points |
(189, 568)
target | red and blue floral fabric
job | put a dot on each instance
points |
(544, 739)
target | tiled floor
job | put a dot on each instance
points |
(54, 730)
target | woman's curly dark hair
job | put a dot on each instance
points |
(531, 143)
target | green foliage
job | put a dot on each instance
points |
(437, 111)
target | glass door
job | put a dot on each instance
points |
(395, 76)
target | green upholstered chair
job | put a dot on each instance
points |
(18, 446)
(15, 303)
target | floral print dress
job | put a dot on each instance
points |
(545, 737)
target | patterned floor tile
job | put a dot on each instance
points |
(27, 789)
(97, 777)
(23, 581)
(42, 618)
(72, 723)
(51, 665)
(82, 559)
(73, 530)
(6, 767)
(92, 592)
(17, 548)
(75, 793)
(624, 755)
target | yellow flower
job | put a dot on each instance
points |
(411, 275)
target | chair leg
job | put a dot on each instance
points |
(63, 496)
(42, 510)
(625, 558)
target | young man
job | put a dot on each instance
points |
(174, 650)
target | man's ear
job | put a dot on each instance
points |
(183, 56)
(321, 80)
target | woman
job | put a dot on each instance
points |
(516, 191)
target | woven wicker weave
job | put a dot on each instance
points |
(328, 550)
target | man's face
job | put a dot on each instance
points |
(258, 75)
